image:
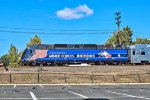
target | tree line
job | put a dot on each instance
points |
(126, 38)
(13, 57)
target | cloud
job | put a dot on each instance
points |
(74, 13)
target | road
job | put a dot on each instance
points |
(75, 92)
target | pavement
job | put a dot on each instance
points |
(75, 92)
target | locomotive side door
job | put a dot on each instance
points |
(133, 54)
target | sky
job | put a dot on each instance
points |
(51, 20)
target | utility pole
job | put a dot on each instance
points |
(118, 17)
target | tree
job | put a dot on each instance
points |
(125, 37)
(112, 40)
(20, 54)
(34, 40)
(13, 56)
(141, 41)
(5, 60)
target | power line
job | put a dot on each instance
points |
(141, 33)
(18, 28)
(79, 32)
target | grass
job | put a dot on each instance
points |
(45, 78)
(58, 75)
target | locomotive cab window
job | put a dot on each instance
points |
(142, 53)
(133, 52)
(30, 51)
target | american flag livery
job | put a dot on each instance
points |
(105, 54)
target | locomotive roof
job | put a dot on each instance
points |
(140, 46)
(71, 46)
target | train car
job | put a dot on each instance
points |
(140, 54)
(64, 54)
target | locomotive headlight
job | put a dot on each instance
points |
(28, 59)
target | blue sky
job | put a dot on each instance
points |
(69, 15)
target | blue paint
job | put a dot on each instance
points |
(124, 51)
(114, 55)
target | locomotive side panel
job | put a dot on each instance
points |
(84, 56)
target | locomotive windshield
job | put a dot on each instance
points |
(24, 54)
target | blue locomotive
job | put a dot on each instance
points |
(64, 54)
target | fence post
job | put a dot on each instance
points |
(65, 78)
(10, 78)
(114, 78)
(38, 77)
(139, 78)
(91, 78)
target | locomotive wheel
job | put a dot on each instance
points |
(108, 63)
(115, 63)
(41, 65)
(34, 64)
(97, 63)
(102, 63)
(60, 64)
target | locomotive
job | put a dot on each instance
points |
(95, 54)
